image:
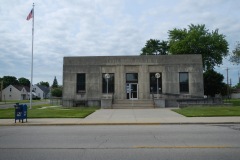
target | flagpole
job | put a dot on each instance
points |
(32, 58)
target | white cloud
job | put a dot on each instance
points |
(99, 27)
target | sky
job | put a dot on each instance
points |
(102, 28)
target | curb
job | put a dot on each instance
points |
(99, 124)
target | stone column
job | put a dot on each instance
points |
(143, 82)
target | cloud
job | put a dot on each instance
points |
(98, 27)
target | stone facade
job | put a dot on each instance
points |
(169, 66)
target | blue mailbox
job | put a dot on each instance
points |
(20, 112)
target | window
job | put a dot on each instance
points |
(153, 83)
(131, 78)
(81, 82)
(109, 81)
(10, 89)
(183, 82)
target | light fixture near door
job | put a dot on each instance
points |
(107, 76)
(157, 75)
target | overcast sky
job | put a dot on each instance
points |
(101, 28)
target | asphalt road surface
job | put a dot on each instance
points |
(153, 142)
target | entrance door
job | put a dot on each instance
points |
(132, 91)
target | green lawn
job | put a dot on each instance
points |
(209, 111)
(47, 111)
(235, 102)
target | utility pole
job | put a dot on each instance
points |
(230, 88)
(238, 78)
(227, 84)
(1, 90)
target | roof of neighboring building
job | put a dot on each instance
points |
(236, 90)
(19, 87)
(45, 89)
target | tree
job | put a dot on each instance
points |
(23, 81)
(1, 84)
(213, 83)
(56, 92)
(7, 80)
(43, 84)
(237, 86)
(198, 40)
(235, 57)
(1, 80)
(155, 47)
(55, 83)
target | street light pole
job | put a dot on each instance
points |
(157, 76)
(1, 89)
(107, 76)
(238, 77)
(227, 85)
(107, 86)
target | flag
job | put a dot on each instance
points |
(30, 15)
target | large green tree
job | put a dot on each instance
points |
(235, 57)
(237, 86)
(43, 84)
(55, 83)
(155, 47)
(198, 40)
(56, 92)
(24, 81)
(213, 83)
(7, 80)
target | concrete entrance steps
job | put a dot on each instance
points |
(136, 104)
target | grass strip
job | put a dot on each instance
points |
(234, 102)
(47, 111)
(208, 111)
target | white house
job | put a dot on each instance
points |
(15, 92)
(41, 91)
(235, 93)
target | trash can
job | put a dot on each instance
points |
(20, 112)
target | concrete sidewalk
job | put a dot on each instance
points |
(126, 117)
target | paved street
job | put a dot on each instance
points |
(133, 142)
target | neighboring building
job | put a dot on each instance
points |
(1, 87)
(131, 78)
(41, 91)
(15, 92)
(235, 93)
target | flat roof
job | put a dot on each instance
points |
(134, 60)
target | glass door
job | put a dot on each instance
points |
(132, 91)
(132, 85)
